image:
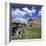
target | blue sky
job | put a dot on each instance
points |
(26, 11)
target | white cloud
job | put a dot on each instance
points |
(26, 10)
(33, 9)
(18, 13)
(30, 14)
(29, 11)
(39, 13)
